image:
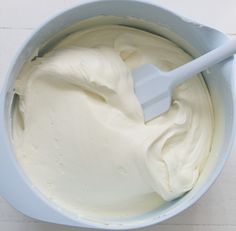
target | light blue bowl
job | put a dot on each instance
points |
(194, 38)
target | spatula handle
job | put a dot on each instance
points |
(200, 64)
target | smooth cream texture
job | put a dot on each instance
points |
(79, 132)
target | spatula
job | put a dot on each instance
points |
(153, 87)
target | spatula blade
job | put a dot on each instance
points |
(155, 108)
(152, 89)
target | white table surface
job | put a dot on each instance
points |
(216, 210)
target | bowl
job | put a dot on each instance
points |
(194, 38)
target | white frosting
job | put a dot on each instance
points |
(79, 132)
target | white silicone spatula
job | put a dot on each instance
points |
(153, 87)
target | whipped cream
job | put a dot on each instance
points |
(79, 133)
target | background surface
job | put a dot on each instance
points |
(216, 211)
